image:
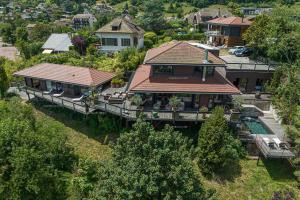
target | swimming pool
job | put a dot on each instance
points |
(255, 126)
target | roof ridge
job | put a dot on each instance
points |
(178, 42)
(210, 54)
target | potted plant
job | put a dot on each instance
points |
(237, 108)
(175, 102)
(203, 110)
(137, 101)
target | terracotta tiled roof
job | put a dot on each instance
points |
(231, 21)
(144, 82)
(177, 52)
(125, 26)
(67, 74)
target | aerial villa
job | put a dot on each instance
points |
(188, 72)
(192, 74)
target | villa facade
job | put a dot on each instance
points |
(183, 70)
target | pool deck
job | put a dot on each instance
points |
(273, 125)
(268, 152)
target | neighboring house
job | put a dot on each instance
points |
(57, 43)
(102, 8)
(255, 11)
(83, 21)
(183, 70)
(204, 15)
(63, 22)
(119, 34)
(227, 31)
(72, 81)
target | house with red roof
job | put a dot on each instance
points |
(66, 80)
(180, 69)
(227, 31)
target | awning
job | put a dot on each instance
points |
(47, 51)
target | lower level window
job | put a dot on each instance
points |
(109, 41)
(125, 41)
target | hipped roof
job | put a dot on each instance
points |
(67, 74)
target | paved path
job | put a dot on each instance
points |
(273, 125)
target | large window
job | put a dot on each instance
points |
(125, 42)
(162, 69)
(135, 41)
(109, 41)
(235, 31)
(210, 71)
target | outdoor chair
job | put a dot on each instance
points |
(48, 92)
(79, 99)
(280, 144)
(58, 94)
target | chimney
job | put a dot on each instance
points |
(219, 12)
(205, 61)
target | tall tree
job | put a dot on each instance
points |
(217, 148)
(34, 156)
(4, 83)
(153, 17)
(149, 164)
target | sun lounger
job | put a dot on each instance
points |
(79, 99)
(48, 92)
(269, 143)
(280, 144)
(58, 94)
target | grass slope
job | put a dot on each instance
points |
(252, 182)
(244, 182)
(85, 146)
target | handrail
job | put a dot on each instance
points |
(117, 109)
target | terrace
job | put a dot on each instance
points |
(124, 109)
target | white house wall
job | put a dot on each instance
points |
(119, 36)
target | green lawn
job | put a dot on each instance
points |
(85, 143)
(252, 182)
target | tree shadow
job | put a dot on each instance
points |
(279, 169)
(87, 125)
(228, 173)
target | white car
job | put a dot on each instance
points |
(232, 50)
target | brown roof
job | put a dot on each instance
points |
(83, 16)
(143, 81)
(125, 26)
(239, 21)
(176, 52)
(67, 74)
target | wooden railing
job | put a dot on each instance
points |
(120, 110)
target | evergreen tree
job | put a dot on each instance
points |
(153, 17)
(4, 84)
(217, 148)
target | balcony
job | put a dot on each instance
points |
(213, 33)
(123, 109)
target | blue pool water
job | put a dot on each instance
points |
(255, 126)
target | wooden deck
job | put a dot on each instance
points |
(123, 110)
(268, 152)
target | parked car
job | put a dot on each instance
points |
(243, 52)
(234, 49)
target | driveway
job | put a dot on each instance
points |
(8, 52)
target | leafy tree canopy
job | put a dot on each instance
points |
(149, 164)
(34, 156)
